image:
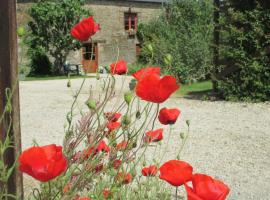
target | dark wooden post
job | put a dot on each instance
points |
(216, 42)
(8, 79)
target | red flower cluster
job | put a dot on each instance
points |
(43, 163)
(85, 29)
(168, 116)
(154, 136)
(119, 67)
(204, 187)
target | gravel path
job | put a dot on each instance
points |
(230, 141)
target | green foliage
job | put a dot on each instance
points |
(5, 145)
(50, 30)
(40, 63)
(184, 30)
(246, 51)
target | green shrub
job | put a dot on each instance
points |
(184, 30)
(40, 63)
(245, 51)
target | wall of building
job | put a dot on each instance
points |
(110, 16)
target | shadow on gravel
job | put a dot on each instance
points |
(206, 95)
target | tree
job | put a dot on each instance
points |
(244, 72)
(184, 30)
(50, 28)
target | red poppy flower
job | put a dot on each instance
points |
(206, 188)
(155, 89)
(123, 178)
(112, 117)
(85, 29)
(168, 116)
(100, 147)
(176, 172)
(154, 136)
(107, 193)
(43, 163)
(146, 71)
(117, 164)
(150, 171)
(67, 188)
(122, 146)
(119, 67)
(113, 125)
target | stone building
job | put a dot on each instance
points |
(117, 38)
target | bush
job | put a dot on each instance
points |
(245, 51)
(184, 30)
(40, 63)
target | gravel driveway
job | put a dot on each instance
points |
(230, 141)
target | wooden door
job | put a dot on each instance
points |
(90, 57)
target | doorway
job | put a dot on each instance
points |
(90, 57)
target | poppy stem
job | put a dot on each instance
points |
(176, 191)
(156, 115)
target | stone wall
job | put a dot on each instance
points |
(110, 16)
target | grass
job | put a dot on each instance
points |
(199, 87)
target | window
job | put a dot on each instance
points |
(131, 21)
(89, 52)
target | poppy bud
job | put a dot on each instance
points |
(183, 135)
(128, 97)
(149, 47)
(132, 84)
(21, 31)
(188, 122)
(134, 144)
(138, 114)
(91, 104)
(126, 120)
(68, 84)
(98, 76)
(168, 59)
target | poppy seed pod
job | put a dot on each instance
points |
(68, 84)
(138, 114)
(128, 97)
(91, 104)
